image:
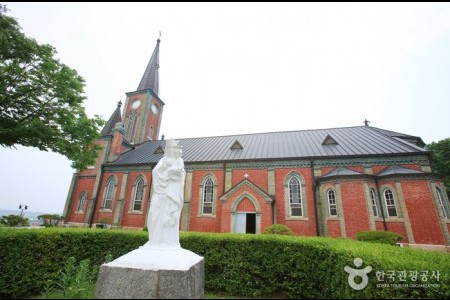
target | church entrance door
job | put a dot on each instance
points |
(245, 223)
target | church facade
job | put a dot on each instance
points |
(324, 182)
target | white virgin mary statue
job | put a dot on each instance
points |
(167, 199)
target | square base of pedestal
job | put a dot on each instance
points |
(133, 282)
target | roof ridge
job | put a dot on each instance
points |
(267, 132)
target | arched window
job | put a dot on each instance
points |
(132, 120)
(295, 197)
(441, 202)
(332, 208)
(109, 193)
(373, 201)
(138, 194)
(82, 201)
(390, 203)
(208, 193)
(150, 133)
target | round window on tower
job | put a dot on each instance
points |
(136, 104)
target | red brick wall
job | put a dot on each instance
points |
(422, 212)
(355, 207)
(398, 227)
(132, 219)
(245, 205)
(153, 120)
(334, 228)
(300, 227)
(359, 169)
(417, 196)
(205, 223)
(128, 109)
(257, 176)
(379, 225)
(378, 168)
(326, 170)
(265, 208)
(106, 214)
(83, 184)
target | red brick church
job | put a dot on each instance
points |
(321, 182)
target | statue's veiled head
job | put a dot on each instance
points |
(173, 150)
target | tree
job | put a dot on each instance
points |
(50, 220)
(440, 159)
(14, 220)
(41, 99)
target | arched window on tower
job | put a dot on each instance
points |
(131, 126)
(373, 201)
(390, 203)
(138, 194)
(82, 202)
(109, 193)
(150, 133)
(332, 207)
(295, 197)
(441, 202)
(208, 193)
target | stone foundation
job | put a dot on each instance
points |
(148, 273)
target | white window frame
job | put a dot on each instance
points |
(82, 202)
(332, 203)
(109, 193)
(389, 196)
(373, 200)
(138, 191)
(292, 205)
(208, 196)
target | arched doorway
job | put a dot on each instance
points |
(246, 215)
(245, 222)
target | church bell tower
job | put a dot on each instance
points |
(143, 108)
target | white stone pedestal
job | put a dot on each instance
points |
(152, 273)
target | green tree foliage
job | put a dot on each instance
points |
(440, 159)
(14, 220)
(50, 220)
(41, 99)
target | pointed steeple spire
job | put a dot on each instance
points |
(150, 79)
(116, 117)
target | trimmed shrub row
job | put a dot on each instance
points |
(235, 264)
(378, 236)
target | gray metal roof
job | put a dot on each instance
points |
(398, 170)
(342, 171)
(115, 118)
(150, 79)
(352, 141)
(406, 137)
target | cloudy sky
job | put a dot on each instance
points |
(243, 68)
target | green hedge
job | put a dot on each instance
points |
(378, 236)
(235, 264)
(278, 229)
(28, 257)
